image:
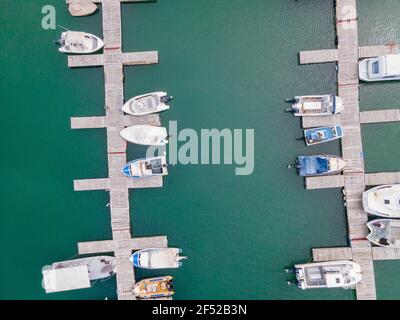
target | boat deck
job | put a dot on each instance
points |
(113, 61)
(354, 179)
(99, 267)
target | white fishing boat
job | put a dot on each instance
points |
(146, 104)
(157, 258)
(385, 232)
(77, 274)
(312, 106)
(332, 274)
(148, 167)
(81, 8)
(79, 42)
(383, 201)
(383, 68)
(146, 135)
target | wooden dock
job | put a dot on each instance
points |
(113, 61)
(354, 179)
(382, 178)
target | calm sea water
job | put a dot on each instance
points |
(230, 64)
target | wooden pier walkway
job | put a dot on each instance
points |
(354, 179)
(113, 60)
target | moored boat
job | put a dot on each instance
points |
(382, 68)
(146, 135)
(385, 232)
(323, 134)
(331, 274)
(153, 288)
(79, 42)
(319, 165)
(77, 274)
(157, 258)
(148, 167)
(383, 201)
(146, 104)
(81, 8)
(312, 106)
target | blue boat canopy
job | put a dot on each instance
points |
(313, 165)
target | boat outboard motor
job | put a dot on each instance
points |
(166, 99)
(59, 42)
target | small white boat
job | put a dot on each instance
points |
(383, 201)
(383, 68)
(146, 104)
(81, 8)
(385, 232)
(332, 274)
(312, 106)
(79, 42)
(157, 258)
(146, 135)
(148, 167)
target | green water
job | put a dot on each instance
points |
(230, 64)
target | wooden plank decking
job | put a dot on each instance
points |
(382, 178)
(113, 61)
(353, 180)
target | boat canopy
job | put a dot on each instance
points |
(313, 165)
(65, 279)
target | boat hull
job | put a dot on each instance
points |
(388, 68)
(383, 201)
(145, 135)
(321, 135)
(82, 9)
(144, 168)
(157, 258)
(384, 233)
(92, 43)
(316, 106)
(154, 288)
(146, 104)
(328, 275)
(309, 166)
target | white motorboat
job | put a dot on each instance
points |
(146, 104)
(148, 167)
(79, 42)
(385, 232)
(332, 274)
(146, 135)
(157, 258)
(383, 201)
(81, 8)
(77, 274)
(313, 106)
(383, 68)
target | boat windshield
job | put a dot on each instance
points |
(375, 67)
